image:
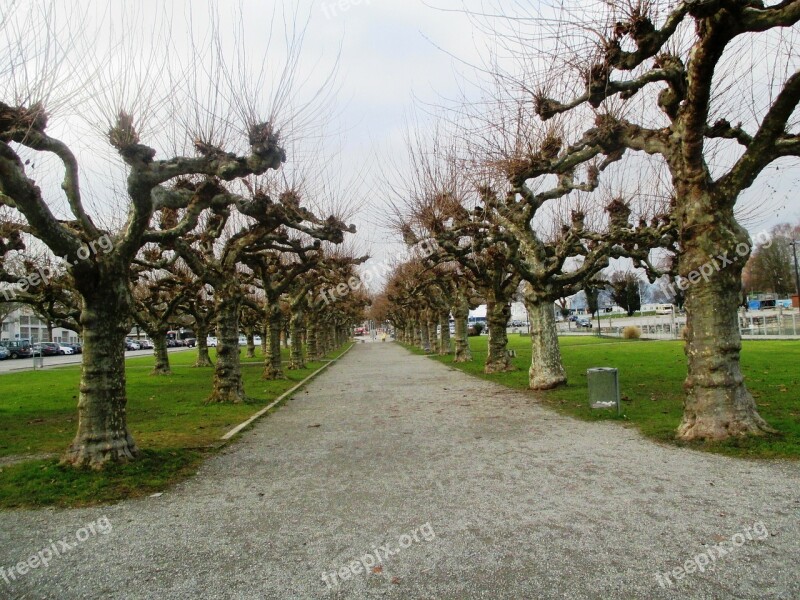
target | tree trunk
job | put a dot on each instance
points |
(717, 404)
(461, 317)
(159, 338)
(251, 343)
(497, 316)
(444, 333)
(298, 360)
(272, 361)
(102, 420)
(424, 335)
(547, 370)
(433, 336)
(201, 330)
(311, 339)
(228, 386)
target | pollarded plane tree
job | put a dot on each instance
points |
(101, 279)
(407, 289)
(401, 310)
(467, 237)
(216, 255)
(557, 264)
(198, 306)
(440, 201)
(159, 118)
(39, 282)
(291, 250)
(313, 294)
(157, 298)
(705, 88)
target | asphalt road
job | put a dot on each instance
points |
(26, 364)
(393, 476)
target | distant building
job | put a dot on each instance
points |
(24, 324)
(518, 313)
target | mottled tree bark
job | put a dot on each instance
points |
(201, 330)
(433, 336)
(102, 418)
(298, 360)
(461, 317)
(717, 403)
(424, 335)
(161, 366)
(444, 333)
(497, 316)
(546, 371)
(311, 339)
(273, 369)
(251, 343)
(228, 386)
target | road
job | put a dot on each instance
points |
(463, 489)
(26, 364)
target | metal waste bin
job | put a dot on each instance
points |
(38, 361)
(603, 387)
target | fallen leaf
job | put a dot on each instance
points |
(395, 580)
(315, 425)
(378, 569)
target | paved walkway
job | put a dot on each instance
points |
(492, 496)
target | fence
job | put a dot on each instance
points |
(751, 326)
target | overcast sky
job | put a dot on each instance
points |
(394, 55)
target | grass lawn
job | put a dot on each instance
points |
(167, 416)
(651, 379)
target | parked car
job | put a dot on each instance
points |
(211, 341)
(584, 323)
(47, 348)
(18, 348)
(76, 348)
(171, 343)
(132, 345)
(4, 353)
(145, 344)
(242, 340)
(190, 342)
(65, 350)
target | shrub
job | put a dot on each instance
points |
(631, 333)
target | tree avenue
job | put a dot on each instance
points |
(633, 89)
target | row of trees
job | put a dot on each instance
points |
(201, 226)
(640, 112)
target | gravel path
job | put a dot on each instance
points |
(492, 495)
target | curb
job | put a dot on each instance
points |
(280, 398)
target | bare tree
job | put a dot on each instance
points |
(659, 78)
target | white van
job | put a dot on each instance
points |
(664, 309)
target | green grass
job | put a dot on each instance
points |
(167, 417)
(651, 381)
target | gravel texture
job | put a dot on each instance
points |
(507, 500)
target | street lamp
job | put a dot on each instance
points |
(794, 244)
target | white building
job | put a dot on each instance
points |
(24, 324)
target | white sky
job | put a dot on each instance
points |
(392, 52)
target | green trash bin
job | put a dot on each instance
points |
(603, 388)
